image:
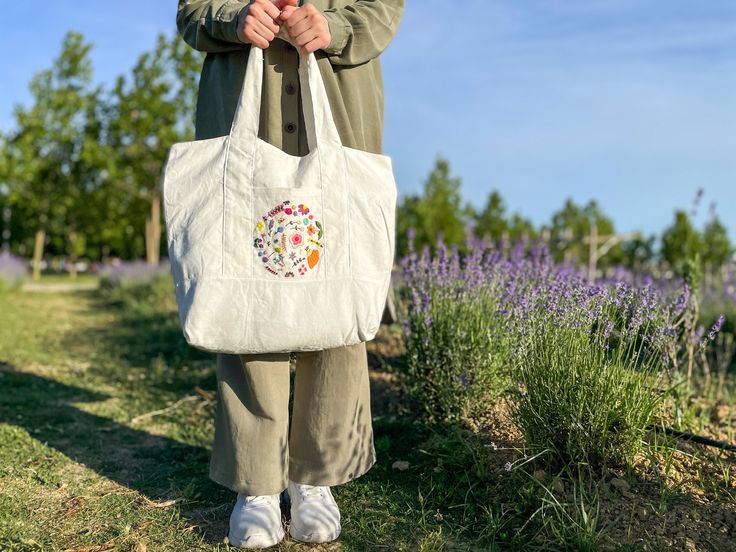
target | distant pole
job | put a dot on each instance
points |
(607, 243)
(593, 252)
(7, 213)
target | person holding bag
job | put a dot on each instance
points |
(257, 452)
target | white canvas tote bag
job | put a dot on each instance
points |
(272, 252)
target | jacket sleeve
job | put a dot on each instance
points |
(210, 25)
(361, 30)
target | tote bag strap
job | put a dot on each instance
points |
(320, 125)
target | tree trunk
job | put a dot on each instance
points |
(153, 232)
(73, 255)
(38, 253)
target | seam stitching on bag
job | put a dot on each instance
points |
(224, 207)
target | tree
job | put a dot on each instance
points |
(572, 224)
(148, 113)
(680, 242)
(637, 254)
(438, 212)
(717, 248)
(49, 164)
(521, 228)
(491, 222)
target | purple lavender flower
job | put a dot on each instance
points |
(12, 270)
(716, 327)
(683, 301)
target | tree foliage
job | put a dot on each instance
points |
(82, 164)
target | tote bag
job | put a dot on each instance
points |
(272, 252)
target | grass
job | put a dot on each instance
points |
(79, 472)
(76, 472)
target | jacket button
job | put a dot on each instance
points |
(290, 88)
(290, 127)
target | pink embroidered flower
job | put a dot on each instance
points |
(296, 240)
(303, 209)
(287, 211)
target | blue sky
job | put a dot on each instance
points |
(631, 102)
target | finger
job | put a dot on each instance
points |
(306, 36)
(296, 17)
(258, 12)
(314, 45)
(300, 26)
(268, 22)
(281, 4)
(287, 12)
(263, 30)
(268, 7)
(256, 39)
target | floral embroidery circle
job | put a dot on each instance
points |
(288, 240)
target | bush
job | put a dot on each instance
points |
(578, 401)
(457, 351)
(139, 286)
(12, 272)
(585, 362)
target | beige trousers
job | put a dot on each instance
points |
(330, 438)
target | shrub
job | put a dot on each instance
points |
(12, 272)
(586, 362)
(579, 396)
(457, 352)
(139, 286)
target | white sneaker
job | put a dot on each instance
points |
(255, 521)
(315, 516)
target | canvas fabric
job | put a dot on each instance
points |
(350, 65)
(238, 209)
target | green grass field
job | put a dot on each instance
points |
(106, 421)
(77, 471)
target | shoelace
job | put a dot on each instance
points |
(308, 491)
(252, 499)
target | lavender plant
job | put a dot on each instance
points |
(138, 285)
(456, 348)
(588, 371)
(12, 271)
(587, 363)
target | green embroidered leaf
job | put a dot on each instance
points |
(319, 226)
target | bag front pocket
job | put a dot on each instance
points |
(287, 233)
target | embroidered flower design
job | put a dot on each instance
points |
(296, 240)
(288, 240)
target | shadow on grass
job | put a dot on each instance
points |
(158, 467)
(454, 493)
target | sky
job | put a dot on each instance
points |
(629, 102)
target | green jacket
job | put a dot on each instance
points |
(350, 68)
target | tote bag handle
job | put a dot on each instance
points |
(320, 125)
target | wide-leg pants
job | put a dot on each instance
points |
(330, 438)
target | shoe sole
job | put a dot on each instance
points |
(258, 541)
(314, 537)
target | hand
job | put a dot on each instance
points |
(307, 28)
(260, 20)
